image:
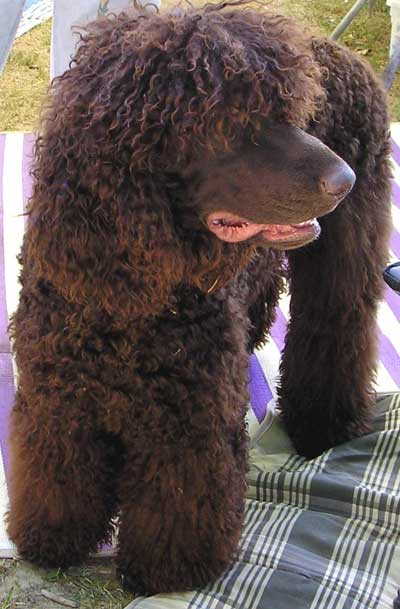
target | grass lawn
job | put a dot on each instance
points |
(26, 76)
(25, 80)
(93, 586)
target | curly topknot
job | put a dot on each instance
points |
(153, 85)
(146, 95)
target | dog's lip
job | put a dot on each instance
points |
(233, 229)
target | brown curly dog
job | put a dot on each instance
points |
(180, 157)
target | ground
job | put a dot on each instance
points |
(93, 586)
(22, 87)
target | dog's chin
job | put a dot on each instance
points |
(233, 229)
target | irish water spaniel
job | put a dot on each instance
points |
(181, 163)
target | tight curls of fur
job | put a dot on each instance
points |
(185, 164)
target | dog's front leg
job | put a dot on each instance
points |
(182, 488)
(181, 513)
(61, 483)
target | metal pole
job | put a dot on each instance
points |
(390, 72)
(11, 12)
(353, 12)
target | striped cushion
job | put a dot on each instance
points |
(277, 503)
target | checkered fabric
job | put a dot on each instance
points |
(320, 534)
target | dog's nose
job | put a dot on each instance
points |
(338, 182)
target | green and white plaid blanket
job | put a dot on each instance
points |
(320, 534)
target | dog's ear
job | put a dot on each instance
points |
(102, 236)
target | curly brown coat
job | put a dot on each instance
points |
(172, 172)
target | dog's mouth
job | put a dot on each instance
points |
(233, 229)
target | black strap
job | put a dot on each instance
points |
(391, 275)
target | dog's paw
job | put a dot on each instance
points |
(132, 582)
(52, 546)
(52, 549)
(311, 440)
(163, 579)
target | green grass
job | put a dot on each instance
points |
(6, 604)
(368, 35)
(92, 587)
(26, 76)
(25, 80)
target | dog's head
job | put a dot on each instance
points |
(172, 148)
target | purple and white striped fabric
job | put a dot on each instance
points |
(15, 184)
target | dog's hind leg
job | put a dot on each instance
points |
(61, 494)
(330, 356)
